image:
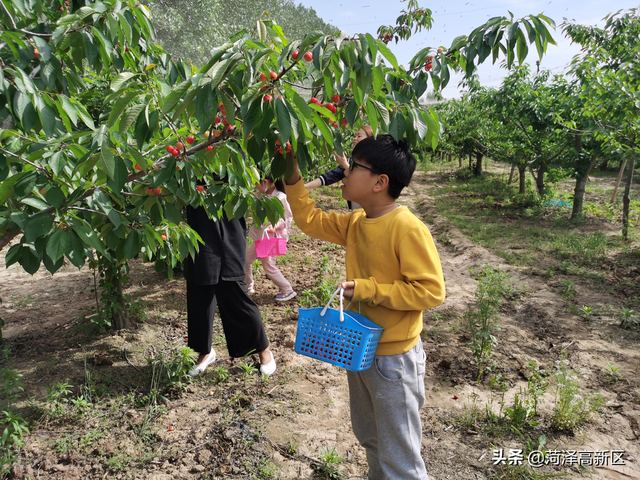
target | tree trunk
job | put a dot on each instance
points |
(470, 162)
(449, 155)
(540, 179)
(120, 319)
(626, 199)
(513, 169)
(522, 172)
(578, 193)
(615, 189)
(477, 171)
(459, 162)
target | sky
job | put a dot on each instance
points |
(460, 17)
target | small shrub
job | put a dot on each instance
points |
(572, 407)
(329, 461)
(483, 320)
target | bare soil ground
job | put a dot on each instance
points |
(246, 427)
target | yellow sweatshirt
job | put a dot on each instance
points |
(392, 259)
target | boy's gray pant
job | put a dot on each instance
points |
(385, 414)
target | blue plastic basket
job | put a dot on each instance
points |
(343, 338)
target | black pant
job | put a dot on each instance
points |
(241, 318)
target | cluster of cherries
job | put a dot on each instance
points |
(331, 107)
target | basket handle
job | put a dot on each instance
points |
(324, 310)
(264, 232)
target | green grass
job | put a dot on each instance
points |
(525, 232)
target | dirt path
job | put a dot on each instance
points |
(246, 425)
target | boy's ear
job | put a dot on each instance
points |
(381, 184)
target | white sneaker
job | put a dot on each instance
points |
(201, 367)
(267, 369)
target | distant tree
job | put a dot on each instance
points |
(216, 21)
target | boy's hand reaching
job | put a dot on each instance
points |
(295, 176)
(349, 288)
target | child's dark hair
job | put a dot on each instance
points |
(278, 181)
(387, 156)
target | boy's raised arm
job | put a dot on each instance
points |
(312, 221)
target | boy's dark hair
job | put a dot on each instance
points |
(387, 156)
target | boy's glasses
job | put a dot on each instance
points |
(353, 164)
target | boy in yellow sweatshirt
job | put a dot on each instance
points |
(393, 274)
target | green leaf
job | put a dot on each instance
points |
(132, 244)
(117, 82)
(89, 237)
(205, 108)
(76, 254)
(388, 54)
(174, 97)
(69, 109)
(29, 261)
(284, 121)
(35, 203)
(324, 130)
(302, 106)
(57, 162)
(119, 107)
(24, 184)
(37, 225)
(55, 197)
(82, 112)
(107, 163)
(229, 108)
(458, 43)
(378, 79)
(6, 187)
(58, 245)
(397, 127)
(129, 117)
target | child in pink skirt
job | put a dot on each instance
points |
(281, 230)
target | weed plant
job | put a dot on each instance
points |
(326, 283)
(483, 319)
(12, 426)
(572, 406)
(329, 461)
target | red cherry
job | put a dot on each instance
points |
(138, 167)
(273, 76)
(164, 237)
(314, 100)
(288, 147)
(150, 191)
(209, 148)
(335, 98)
(344, 122)
(428, 67)
(158, 191)
(177, 168)
(36, 52)
(295, 55)
(440, 50)
(175, 152)
(335, 125)
(263, 77)
(171, 428)
(308, 56)
(190, 139)
(217, 120)
(169, 148)
(126, 49)
(200, 188)
(455, 397)
(62, 9)
(267, 98)
(179, 146)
